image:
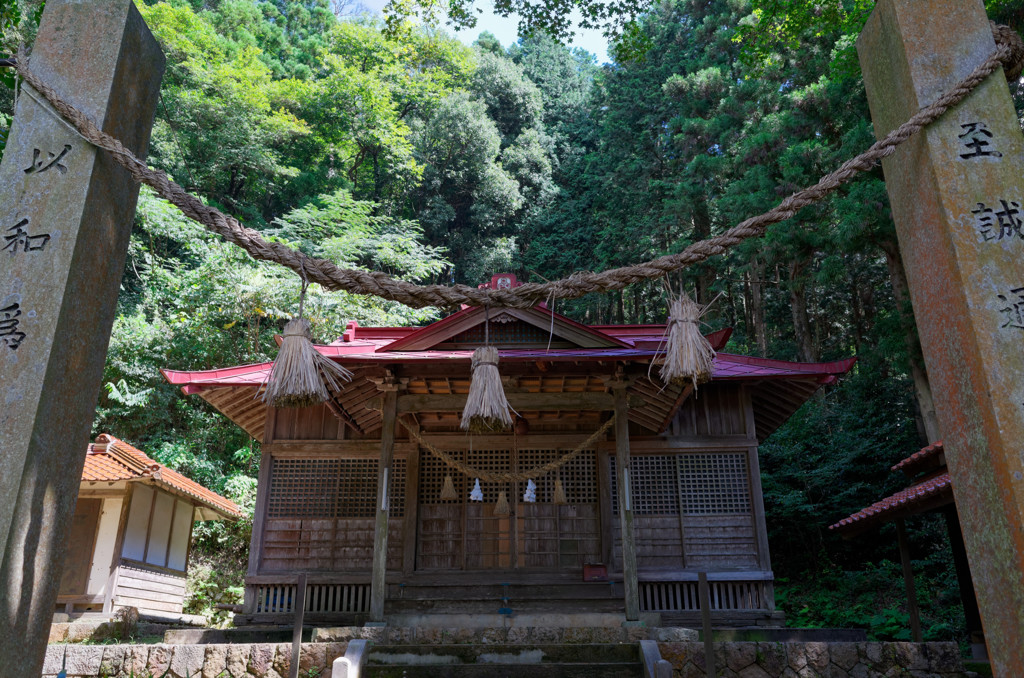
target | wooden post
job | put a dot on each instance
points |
(300, 614)
(908, 582)
(65, 215)
(629, 578)
(378, 589)
(972, 616)
(704, 594)
(957, 196)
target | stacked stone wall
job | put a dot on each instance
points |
(733, 660)
(813, 660)
(258, 660)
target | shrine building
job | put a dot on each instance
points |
(691, 501)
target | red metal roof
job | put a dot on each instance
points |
(110, 459)
(727, 366)
(904, 502)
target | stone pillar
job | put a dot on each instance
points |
(957, 196)
(65, 217)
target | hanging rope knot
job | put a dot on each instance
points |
(1013, 53)
(296, 329)
(483, 363)
(689, 357)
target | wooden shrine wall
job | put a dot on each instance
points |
(318, 509)
(696, 490)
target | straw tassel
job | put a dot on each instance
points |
(689, 357)
(501, 508)
(448, 492)
(486, 406)
(559, 497)
(301, 376)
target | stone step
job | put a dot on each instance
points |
(535, 653)
(566, 670)
(607, 660)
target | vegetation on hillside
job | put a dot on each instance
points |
(390, 147)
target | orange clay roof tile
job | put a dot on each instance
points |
(110, 459)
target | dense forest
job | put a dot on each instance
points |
(401, 149)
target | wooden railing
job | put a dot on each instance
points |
(726, 594)
(321, 598)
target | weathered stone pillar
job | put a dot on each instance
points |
(957, 194)
(65, 217)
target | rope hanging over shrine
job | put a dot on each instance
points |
(1009, 54)
(508, 476)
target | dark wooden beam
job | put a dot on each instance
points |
(908, 581)
(528, 402)
(343, 416)
(683, 395)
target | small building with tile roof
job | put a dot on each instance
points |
(671, 491)
(132, 533)
(931, 490)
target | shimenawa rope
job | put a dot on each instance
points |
(509, 477)
(1009, 53)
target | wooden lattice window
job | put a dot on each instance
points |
(331, 488)
(701, 483)
(714, 483)
(489, 460)
(432, 473)
(653, 485)
(578, 475)
(303, 488)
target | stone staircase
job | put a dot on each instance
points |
(604, 660)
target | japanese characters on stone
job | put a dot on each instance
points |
(1013, 309)
(998, 221)
(41, 164)
(976, 141)
(10, 320)
(18, 236)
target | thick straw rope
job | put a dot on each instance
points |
(509, 477)
(1009, 53)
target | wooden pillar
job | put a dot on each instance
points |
(908, 582)
(300, 615)
(629, 578)
(378, 588)
(704, 595)
(957, 196)
(972, 616)
(65, 214)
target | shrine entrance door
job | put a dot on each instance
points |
(540, 536)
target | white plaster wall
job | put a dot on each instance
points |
(110, 514)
